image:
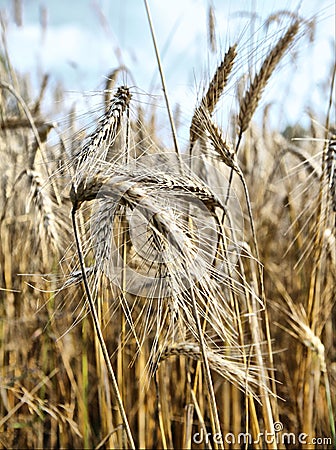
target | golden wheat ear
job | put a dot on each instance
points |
(213, 94)
(95, 148)
(251, 98)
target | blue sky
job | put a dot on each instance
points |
(85, 39)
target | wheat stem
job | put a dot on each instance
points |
(98, 330)
(163, 81)
(330, 406)
(207, 373)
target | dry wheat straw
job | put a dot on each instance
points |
(98, 330)
(330, 239)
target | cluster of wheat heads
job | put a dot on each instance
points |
(161, 329)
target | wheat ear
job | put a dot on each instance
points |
(95, 148)
(44, 206)
(212, 28)
(215, 90)
(229, 368)
(253, 94)
(20, 100)
(250, 100)
(108, 126)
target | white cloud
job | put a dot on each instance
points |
(62, 45)
(182, 37)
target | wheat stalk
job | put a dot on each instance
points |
(163, 80)
(229, 158)
(86, 185)
(98, 330)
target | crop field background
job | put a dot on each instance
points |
(168, 227)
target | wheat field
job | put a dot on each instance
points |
(164, 292)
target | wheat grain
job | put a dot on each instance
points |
(219, 80)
